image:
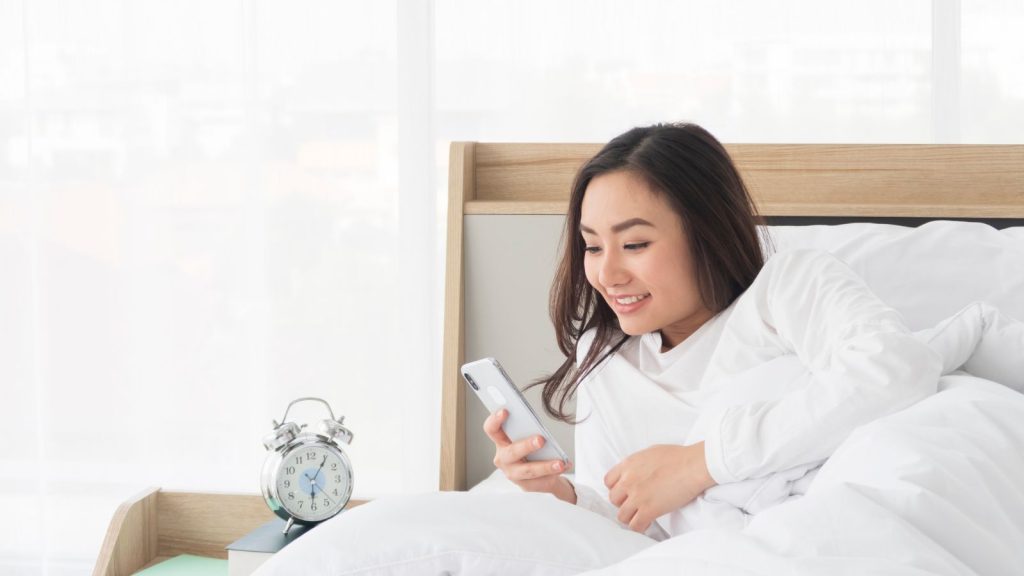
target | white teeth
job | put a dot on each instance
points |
(631, 299)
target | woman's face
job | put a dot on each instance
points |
(638, 258)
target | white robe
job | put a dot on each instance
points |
(772, 385)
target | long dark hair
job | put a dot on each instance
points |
(695, 174)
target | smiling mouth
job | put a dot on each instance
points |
(630, 300)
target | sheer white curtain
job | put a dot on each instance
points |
(874, 71)
(210, 208)
(207, 209)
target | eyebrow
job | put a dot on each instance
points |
(620, 226)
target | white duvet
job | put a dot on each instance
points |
(937, 488)
(978, 339)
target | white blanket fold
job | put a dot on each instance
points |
(978, 338)
(937, 488)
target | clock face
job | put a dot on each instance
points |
(314, 481)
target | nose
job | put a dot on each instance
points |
(611, 272)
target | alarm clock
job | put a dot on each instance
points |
(307, 477)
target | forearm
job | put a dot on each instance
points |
(565, 491)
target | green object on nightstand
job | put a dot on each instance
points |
(187, 564)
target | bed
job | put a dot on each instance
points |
(506, 206)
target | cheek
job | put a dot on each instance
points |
(590, 271)
(653, 269)
(665, 275)
(681, 283)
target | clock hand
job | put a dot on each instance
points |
(324, 494)
(324, 461)
(312, 484)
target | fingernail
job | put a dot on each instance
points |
(536, 442)
(557, 466)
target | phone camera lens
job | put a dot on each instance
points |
(471, 382)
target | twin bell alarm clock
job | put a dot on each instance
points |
(306, 477)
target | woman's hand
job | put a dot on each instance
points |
(510, 458)
(657, 480)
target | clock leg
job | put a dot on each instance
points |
(288, 526)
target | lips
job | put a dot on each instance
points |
(627, 300)
(627, 303)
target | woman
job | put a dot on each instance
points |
(681, 333)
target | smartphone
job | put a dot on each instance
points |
(495, 389)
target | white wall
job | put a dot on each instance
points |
(209, 208)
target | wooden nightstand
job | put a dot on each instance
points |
(156, 525)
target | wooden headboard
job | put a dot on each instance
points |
(798, 180)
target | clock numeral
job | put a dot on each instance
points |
(291, 495)
(335, 491)
(289, 470)
(334, 466)
(287, 483)
(301, 502)
(311, 455)
(337, 477)
(298, 459)
(327, 502)
(312, 506)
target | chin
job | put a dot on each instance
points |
(633, 328)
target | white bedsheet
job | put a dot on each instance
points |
(937, 488)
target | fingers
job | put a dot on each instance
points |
(492, 427)
(626, 512)
(510, 456)
(508, 452)
(631, 516)
(617, 496)
(519, 450)
(612, 477)
(639, 524)
(531, 470)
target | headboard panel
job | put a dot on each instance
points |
(936, 181)
(528, 185)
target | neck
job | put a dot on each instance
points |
(675, 334)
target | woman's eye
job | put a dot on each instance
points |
(633, 247)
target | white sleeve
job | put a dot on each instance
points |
(595, 452)
(595, 455)
(864, 363)
(981, 340)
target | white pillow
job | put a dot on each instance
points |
(929, 272)
(455, 533)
